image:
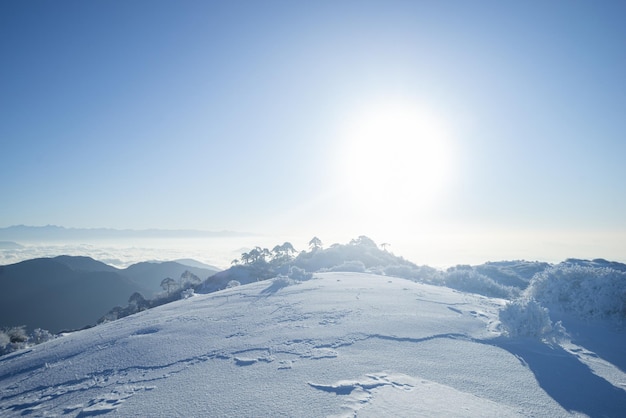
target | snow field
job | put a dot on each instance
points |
(341, 344)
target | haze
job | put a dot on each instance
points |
(455, 131)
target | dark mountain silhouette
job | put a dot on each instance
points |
(80, 263)
(194, 263)
(67, 292)
(46, 293)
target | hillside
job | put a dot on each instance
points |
(340, 344)
(68, 292)
(49, 294)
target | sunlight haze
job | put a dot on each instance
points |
(455, 131)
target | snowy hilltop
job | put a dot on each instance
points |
(337, 344)
(344, 330)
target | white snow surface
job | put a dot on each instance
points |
(340, 344)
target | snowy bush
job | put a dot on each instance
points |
(299, 274)
(232, 283)
(40, 336)
(527, 318)
(351, 266)
(282, 281)
(4, 341)
(466, 279)
(187, 293)
(17, 334)
(588, 292)
(16, 338)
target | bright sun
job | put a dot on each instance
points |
(394, 163)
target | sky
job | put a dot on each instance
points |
(455, 131)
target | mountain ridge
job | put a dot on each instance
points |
(71, 292)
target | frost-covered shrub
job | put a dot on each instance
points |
(278, 283)
(282, 281)
(588, 292)
(421, 273)
(232, 283)
(187, 293)
(296, 273)
(17, 334)
(356, 266)
(468, 280)
(40, 336)
(13, 339)
(527, 318)
(4, 340)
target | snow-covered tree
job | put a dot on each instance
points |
(188, 279)
(315, 243)
(283, 253)
(167, 284)
(137, 302)
(364, 241)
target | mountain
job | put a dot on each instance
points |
(49, 294)
(69, 292)
(10, 245)
(194, 263)
(87, 264)
(59, 233)
(339, 344)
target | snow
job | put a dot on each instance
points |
(339, 344)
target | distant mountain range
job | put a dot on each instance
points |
(67, 292)
(10, 245)
(60, 233)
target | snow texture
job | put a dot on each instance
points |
(339, 344)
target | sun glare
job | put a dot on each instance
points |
(394, 163)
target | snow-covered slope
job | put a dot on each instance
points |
(339, 344)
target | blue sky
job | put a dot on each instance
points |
(256, 116)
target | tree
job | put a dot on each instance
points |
(17, 334)
(363, 241)
(384, 246)
(315, 243)
(167, 284)
(137, 302)
(258, 254)
(189, 279)
(288, 249)
(283, 253)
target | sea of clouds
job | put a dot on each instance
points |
(217, 252)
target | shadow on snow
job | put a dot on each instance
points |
(568, 381)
